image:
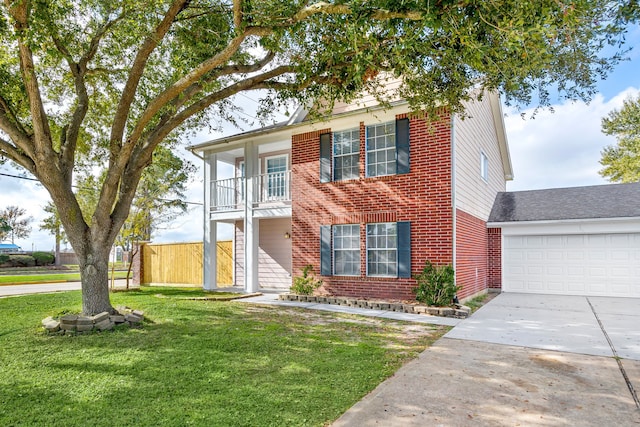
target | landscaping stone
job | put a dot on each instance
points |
(117, 318)
(71, 323)
(100, 317)
(446, 311)
(433, 311)
(105, 325)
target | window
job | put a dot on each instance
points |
(382, 249)
(346, 154)
(346, 250)
(381, 149)
(388, 249)
(484, 166)
(276, 187)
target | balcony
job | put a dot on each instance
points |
(269, 188)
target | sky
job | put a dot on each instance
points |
(559, 148)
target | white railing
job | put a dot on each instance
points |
(228, 194)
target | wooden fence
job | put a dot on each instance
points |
(181, 263)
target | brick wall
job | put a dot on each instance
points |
(422, 197)
(495, 258)
(471, 254)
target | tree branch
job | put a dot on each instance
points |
(343, 9)
(12, 153)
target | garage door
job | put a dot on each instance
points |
(586, 264)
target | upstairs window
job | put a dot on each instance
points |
(484, 166)
(381, 149)
(346, 155)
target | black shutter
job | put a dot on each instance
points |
(325, 157)
(402, 146)
(404, 249)
(325, 250)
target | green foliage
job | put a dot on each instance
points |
(307, 283)
(4, 258)
(436, 285)
(43, 258)
(13, 225)
(622, 161)
(22, 260)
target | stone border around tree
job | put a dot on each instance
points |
(77, 324)
(458, 311)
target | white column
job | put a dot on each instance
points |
(210, 242)
(251, 224)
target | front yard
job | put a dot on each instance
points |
(195, 363)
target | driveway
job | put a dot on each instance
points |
(521, 360)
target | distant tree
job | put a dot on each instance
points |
(4, 229)
(53, 225)
(18, 227)
(622, 161)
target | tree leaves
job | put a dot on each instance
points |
(622, 161)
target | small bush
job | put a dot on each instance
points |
(43, 258)
(436, 285)
(307, 283)
(4, 258)
(22, 260)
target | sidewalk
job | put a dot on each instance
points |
(45, 288)
(272, 299)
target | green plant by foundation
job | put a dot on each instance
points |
(307, 283)
(436, 285)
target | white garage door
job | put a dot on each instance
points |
(585, 264)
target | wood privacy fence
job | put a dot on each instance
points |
(181, 263)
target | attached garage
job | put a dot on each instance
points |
(572, 241)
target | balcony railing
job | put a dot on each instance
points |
(229, 194)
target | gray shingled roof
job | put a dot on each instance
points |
(600, 201)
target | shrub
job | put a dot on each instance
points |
(436, 285)
(307, 283)
(22, 260)
(43, 258)
(4, 258)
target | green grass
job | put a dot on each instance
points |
(202, 363)
(49, 277)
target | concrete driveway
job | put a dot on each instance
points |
(521, 360)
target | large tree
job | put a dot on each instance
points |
(89, 83)
(16, 224)
(622, 161)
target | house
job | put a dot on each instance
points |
(7, 248)
(569, 241)
(365, 197)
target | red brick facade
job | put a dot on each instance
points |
(422, 197)
(495, 258)
(471, 254)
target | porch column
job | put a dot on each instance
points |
(210, 242)
(251, 224)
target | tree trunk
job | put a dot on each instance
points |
(94, 269)
(57, 262)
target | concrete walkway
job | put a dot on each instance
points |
(46, 288)
(521, 360)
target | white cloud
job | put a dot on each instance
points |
(560, 148)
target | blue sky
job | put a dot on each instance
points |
(555, 149)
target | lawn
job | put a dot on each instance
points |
(195, 362)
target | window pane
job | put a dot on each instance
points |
(346, 153)
(381, 149)
(346, 249)
(382, 249)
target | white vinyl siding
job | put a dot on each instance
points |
(382, 249)
(473, 135)
(381, 149)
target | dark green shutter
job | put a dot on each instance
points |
(404, 249)
(402, 146)
(325, 250)
(325, 157)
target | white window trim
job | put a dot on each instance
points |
(366, 148)
(333, 154)
(366, 249)
(484, 166)
(333, 252)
